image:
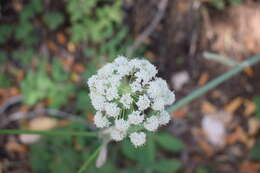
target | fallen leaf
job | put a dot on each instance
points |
(14, 91)
(52, 46)
(71, 47)
(67, 63)
(207, 107)
(205, 147)
(42, 123)
(79, 68)
(180, 113)
(250, 107)
(13, 146)
(253, 126)
(249, 71)
(204, 77)
(234, 105)
(216, 94)
(249, 167)
(61, 38)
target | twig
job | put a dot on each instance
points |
(161, 10)
(10, 102)
(21, 115)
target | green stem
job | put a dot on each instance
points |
(51, 133)
(221, 59)
(199, 92)
(90, 159)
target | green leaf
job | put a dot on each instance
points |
(201, 170)
(166, 166)
(144, 155)
(255, 151)
(53, 20)
(169, 142)
(84, 102)
(5, 32)
(257, 102)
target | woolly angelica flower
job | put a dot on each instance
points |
(128, 96)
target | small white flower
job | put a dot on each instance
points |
(152, 123)
(164, 118)
(138, 139)
(136, 86)
(158, 104)
(117, 135)
(100, 120)
(143, 102)
(126, 100)
(135, 118)
(121, 125)
(111, 93)
(112, 109)
(129, 89)
(98, 101)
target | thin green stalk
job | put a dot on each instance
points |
(51, 132)
(89, 160)
(199, 92)
(220, 59)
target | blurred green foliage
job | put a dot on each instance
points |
(91, 23)
(39, 85)
(257, 103)
(255, 151)
(96, 28)
(222, 4)
(65, 155)
(53, 20)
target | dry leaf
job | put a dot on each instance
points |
(79, 68)
(180, 113)
(207, 107)
(42, 123)
(249, 167)
(203, 79)
(61, 38)
(234, 105)
(253, 126)
(249, 71)
(216, 94)
(52, 46)
(71, 47)
(250, 107)
(13, 146)
(205, 147)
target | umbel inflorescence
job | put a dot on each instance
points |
(127, 95)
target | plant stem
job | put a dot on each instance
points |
(51, 133)
(199, 92)
(90, 159)
(220, 59)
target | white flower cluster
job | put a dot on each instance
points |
(127, 95)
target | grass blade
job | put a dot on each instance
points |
(50, 133)
(199, 92)
(89, 160)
